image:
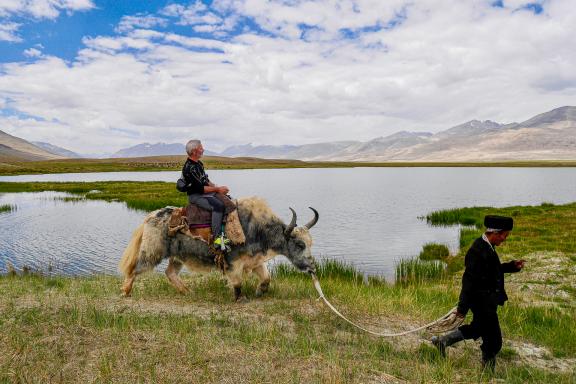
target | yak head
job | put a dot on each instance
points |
(299, 243)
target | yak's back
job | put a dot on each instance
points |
(256, 207)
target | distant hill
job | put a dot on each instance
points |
(56, 150)
(307, 151)
(13, 148)
(547, 136)
(158, 149)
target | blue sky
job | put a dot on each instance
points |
(97, 76)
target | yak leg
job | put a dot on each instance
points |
(262, 272)
(174, 267)
(127, 285)
(234, 275)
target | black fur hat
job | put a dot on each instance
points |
(499, 223)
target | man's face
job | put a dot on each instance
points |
(499, 237)
(199, 151)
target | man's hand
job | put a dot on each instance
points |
(223, 190)
(519, 263)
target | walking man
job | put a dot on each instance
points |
(483, 291)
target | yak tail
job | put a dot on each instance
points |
(130, 257)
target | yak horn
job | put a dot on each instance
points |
(292, 224)
(314, 220)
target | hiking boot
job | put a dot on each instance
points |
(489, 365)
(443, 342)
(439, 344)
(222, 243)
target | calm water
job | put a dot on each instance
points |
(368, 216)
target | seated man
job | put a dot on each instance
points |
(201, 191)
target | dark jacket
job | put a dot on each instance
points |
(195, 177)
(483, 279)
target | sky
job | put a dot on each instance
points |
(97, 76)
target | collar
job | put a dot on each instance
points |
(486, 240)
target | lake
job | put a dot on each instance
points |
(368, 216)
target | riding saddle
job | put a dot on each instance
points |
(196, 221)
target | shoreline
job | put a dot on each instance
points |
(174, 163)
(75, 329)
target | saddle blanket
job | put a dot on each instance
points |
(195, 221)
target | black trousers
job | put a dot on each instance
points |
(213, 204)
(484, 324)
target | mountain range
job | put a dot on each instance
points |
(13, 148)
(547, 136)
(56, 150)
(158, 149)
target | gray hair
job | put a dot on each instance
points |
(192, 145)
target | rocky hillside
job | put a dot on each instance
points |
(547, 136)
(13, 148)
(57, 150)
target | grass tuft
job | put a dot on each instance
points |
(433, 251)
(416, 271)
(7, 208)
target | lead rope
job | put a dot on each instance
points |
(446, 323)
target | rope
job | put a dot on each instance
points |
(446, 323)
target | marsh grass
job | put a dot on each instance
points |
(146, 196)
(463, 216)
(7, 208)
(433, 251)
(417, 271)
(545, 227)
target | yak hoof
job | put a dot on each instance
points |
(241, 299)
(125, 294)
(262, 289)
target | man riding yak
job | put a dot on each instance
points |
(203, 193)
(254, 232)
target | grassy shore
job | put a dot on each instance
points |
(174, 163)
(58, 329)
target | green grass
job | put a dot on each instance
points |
(7, 208)
(545, 227)
(433, 251)
(146, 196)
(417, 271)
(78, 329)
(463, 216)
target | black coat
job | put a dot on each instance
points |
(483, 279)
(195, 177)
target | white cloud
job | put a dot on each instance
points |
(37, 9)
(8, 32)
(441, 66)
(129, 23)
(32, 52)
(48, 9)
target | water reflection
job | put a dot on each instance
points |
(368, 216)
(77, 237)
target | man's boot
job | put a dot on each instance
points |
(444, 341)
(488, 365)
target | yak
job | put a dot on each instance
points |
(266, 236)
